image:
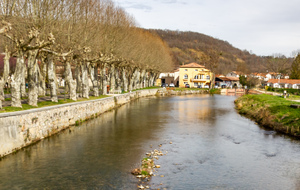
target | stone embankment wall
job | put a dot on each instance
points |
(19, 129)
(233, 91)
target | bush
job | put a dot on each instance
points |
(280, 90)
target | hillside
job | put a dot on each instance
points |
(189, 47)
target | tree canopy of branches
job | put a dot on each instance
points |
(295, 73)
(278, 63)
(85, 36)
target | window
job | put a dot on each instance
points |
(185, 76)
(207, 77)
(195, 84)
(185, 69)
(196, 77)
(196, 69)
(201, 76)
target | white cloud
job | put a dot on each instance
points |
(263, 26)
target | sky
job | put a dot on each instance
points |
(262, 27)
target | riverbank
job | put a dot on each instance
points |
(273, 112)
(22, 128)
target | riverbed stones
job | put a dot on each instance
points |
(136, 171)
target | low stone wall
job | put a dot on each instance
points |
(19, 129)
(233, 91)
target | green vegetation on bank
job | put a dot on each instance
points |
(271, 111)
(215, 91)
(47, 103)
(147, 88)
(280, 90)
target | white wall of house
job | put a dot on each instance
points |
(268, 76)
(287, 86)
(276, 85)
(161, 75)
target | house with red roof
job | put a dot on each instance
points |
(228, 82)
(194, 75)
(284, 83)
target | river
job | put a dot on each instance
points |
(212, 147)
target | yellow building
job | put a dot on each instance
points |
(195, 75)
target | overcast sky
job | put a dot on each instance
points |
(264, 27)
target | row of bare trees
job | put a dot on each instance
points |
(93, 39)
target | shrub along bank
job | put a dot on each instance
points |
(281, 90)
(271, 111)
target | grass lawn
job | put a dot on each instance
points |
(267, 107)
(47, 103)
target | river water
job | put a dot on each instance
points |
(212, 147)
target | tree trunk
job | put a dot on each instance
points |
(78, 79)
(142, 78)
(156, 75)
(125, 81)
(70, 81)
(147, 80)
(104, 80)
(4, 78)
(2, 96)
(16, 81)
(118, 81)
(42, 76)
(51, 78)
(33, 82)
(85, 80)
(23, 82)
(131, 80)
(6, 66)
(212, 83)
(137, 80)
(94, 77)
(152, 79)
(112, 79)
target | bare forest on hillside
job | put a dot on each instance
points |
(218, 55)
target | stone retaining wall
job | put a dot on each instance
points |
(19, 129)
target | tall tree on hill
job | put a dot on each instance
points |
(278, 63)
(295, 72)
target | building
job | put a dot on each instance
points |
(195, 75)
(165, 78)
(284, 83)
(228, 82)
(234, 74)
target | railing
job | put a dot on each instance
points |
(198, 80)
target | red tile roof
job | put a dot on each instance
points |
(192, 65)
(229, 78)
(287, 81)
(233, 78)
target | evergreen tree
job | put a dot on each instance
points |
(295, 74)
(243, 80)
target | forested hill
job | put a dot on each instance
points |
(189, 47)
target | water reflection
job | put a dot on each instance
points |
(213, 148)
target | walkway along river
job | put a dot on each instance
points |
(212, 148)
